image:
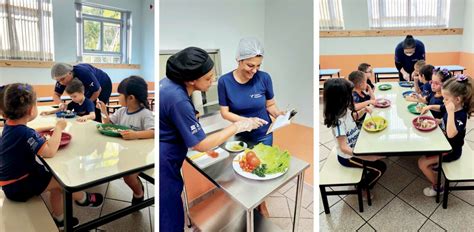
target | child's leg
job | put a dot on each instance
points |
(135, 184)
(425, 163)
(56, 196)
(375, 170)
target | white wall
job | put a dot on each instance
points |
(468, 37)
(289, 54)
(355, 15)
(148, 41)
(210, 24)
(64, 25)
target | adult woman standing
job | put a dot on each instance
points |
(407, 53)
(97, 84)
(247, 92)
(187, 71)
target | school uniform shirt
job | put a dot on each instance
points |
(432, 100)
(358, 99)
(408, 62)
(460, 119)
(425, 89)
(92, 78)
(247, 100)
(85, 108)
(19, 145)
(140, 120)
(346, 126)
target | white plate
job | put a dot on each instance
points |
(205, 160)
(238, 169)
(229, 145)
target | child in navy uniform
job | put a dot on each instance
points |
(458, 105)
(83, 106)
(21, 176)
(436, 97)
(135, 114)
(425, 75)
(340, 116)
(362, 94)
(368, 72)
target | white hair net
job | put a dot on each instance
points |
(249, 47)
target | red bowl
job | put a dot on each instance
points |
(378, 103)
(418, 126)
(65, 137)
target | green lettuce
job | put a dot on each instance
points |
(275, 159)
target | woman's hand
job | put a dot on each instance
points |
(248, 124)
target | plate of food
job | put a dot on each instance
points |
(385, 86)
(235, 146)
(416, 108)
(425, 123)
(406, 84)
(375, 123)
(382, 103)
(409, 93)
(111, 129)
(207, 158)
(66, 114)
(262, 162)
(65, 137)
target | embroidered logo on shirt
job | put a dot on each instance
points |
(460, 122)
(92, 84)
(256, 95)
(32, 142)
(195, 128)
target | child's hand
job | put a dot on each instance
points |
(438, 121)
(368, 109)
(416, 77)
(425, 109)
(62, 106)
(372, 102)
(129, 135)
(44, 113)
(82, 119)
(61, 124)
(449, 107)
(101, 105)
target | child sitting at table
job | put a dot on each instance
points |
(362, 94)
(340, 115)
(423, 77)
(135, 114)
(458, 105)
(83, 106)
(367, 70)
(21, 176)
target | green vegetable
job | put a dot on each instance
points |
(260, 170)
(276, 160)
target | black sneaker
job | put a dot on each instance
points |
(60, 224)
(92, 200)
(136, 200)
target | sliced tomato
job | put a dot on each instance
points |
(212, 154)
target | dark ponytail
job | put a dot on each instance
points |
(409, 42)
(136, 86)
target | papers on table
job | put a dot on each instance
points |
(282, 121)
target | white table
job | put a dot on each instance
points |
(400, 138)
(391, 70)
(329, 72)
(92, 159)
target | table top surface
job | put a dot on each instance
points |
(400, 137)
(91, 156)
(329, 71)
(249, 193)
(390, 70)
(49, 99)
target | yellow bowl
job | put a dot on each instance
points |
(381, 123)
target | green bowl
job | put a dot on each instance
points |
(412, 108)
(385, 86)
(111, 129)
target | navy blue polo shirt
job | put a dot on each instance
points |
(91, 77)
(18, 147)
(408, 62)
(84, 109)
(425, 89)
(460, 119)
(247, 100)
(432, 100)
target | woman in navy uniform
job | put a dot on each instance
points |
(407, 53)
(187, 71)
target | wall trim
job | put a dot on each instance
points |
(386, 33)
(49, 64)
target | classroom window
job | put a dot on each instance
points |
(408, 13)
(104, 34)
(26, 30)
(330, 15)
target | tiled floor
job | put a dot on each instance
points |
(399, 204)
(117, 196)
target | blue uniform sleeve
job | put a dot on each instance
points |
(88, 79)
(460, 120)
(269, 87)
(221, 92)
(89, 105)
(356, 97)
(58, 88)
(34, 140)
(187, 124)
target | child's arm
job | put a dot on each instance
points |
(44, 113)
(146, 134)
(360, 113)
(346, 149)
(451, 129)
(84, 118)
(415, 82)
(51, 146)
(103, 112)
(361, 105)
(431, 107)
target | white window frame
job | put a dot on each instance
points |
(125, 23)
(381, 14)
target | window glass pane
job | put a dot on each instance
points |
(111, 37)
(91, 35)
(101, 59)
(101, 12)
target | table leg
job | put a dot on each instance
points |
(438, 184)
(376, 77)
(338, 75)
(68, 226)
(299, 195)
(250, 220)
